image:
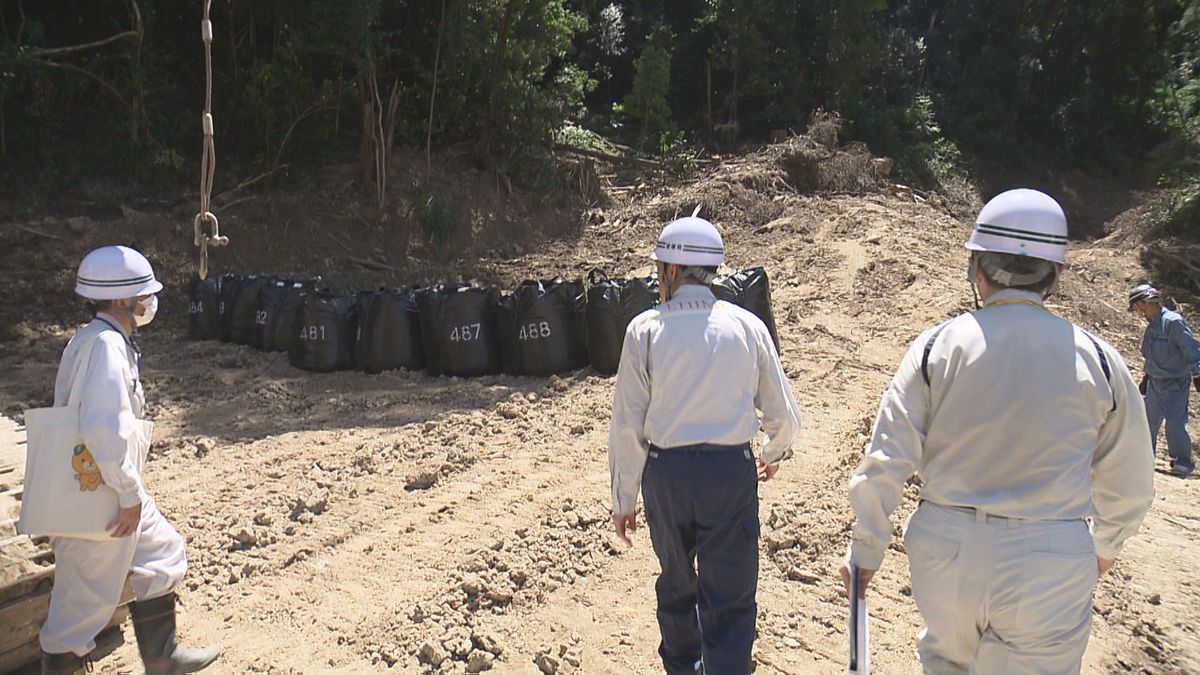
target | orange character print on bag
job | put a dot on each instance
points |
(87, 473)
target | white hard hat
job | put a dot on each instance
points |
(115, 272)
(690, 241)
(1022, 222)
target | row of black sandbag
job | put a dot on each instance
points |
(319, 330)
(541, 328)
(613, 303)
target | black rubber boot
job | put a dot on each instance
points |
(63, 664)
(154, 625)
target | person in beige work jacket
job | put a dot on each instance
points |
(1021, 426)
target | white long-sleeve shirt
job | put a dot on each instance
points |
(1018, 420)
(111, 403)
(692, 371)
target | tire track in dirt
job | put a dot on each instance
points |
(456, 501)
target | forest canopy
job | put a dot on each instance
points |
(119, 84)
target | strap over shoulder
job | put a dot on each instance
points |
(1103, 366)
(929, 348)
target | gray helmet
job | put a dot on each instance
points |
(1143, 292)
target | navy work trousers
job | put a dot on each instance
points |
(702, 511)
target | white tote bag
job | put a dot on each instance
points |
(64, 494)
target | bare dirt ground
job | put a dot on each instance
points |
(356, 523)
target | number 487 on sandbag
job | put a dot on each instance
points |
(465, 333)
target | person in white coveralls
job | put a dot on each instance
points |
(1021, 426)
(89, 575)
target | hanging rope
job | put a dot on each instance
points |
(208, 161)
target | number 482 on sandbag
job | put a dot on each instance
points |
(465, 333)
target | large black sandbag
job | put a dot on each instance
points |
(286, 330)
(204, 319)
(389, 332)
(611, 305)
(274, 322)
(751, 290)
(458, 330)
(229, 287)
(270, 299)
(326, 326)
(242, 310)
(543, 329)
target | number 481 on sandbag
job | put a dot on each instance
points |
(465, 333)
(312, 333)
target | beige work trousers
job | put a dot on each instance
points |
(1000, 595)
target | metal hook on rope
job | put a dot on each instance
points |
(208, 160)
(205, 239)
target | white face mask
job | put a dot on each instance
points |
(149, 309)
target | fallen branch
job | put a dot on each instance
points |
(235, 202)
(40, 233)
(135, 33)
(373, 265)
(247, 183)
(307, 113)
(329, 233)
(78, 48)
(87, 73)
(616, 159)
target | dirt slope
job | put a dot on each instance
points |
(353, 523)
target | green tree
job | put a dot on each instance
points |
(648, 101)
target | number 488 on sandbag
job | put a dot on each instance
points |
(534, 331)
(465, 333)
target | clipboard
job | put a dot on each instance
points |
(860, 639)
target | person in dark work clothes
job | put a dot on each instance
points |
(1172, 364)
(692, 372)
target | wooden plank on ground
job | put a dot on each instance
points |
(33, 582)
(12, 446)
(23, 618)
(24, 659)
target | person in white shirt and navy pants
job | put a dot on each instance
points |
(692, 372)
